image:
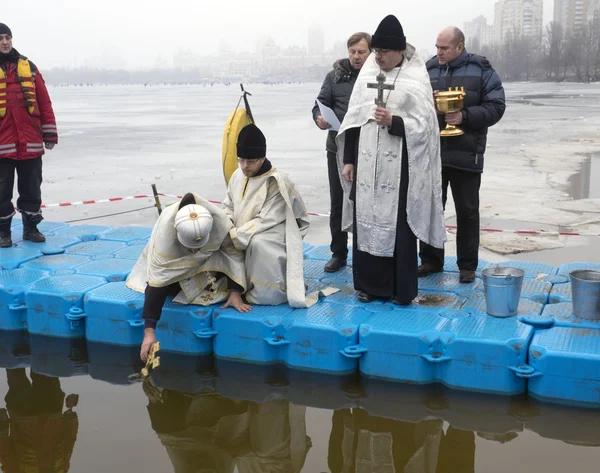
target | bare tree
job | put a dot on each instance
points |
(554, 50)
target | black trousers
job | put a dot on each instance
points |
(339, 239)
(465, 192)
(29, 185)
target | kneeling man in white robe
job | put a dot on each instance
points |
(269, 222)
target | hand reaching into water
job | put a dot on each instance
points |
(147, 343)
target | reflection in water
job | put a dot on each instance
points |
(207, 433)
(212, 416)
(35, 434)
(363, 443)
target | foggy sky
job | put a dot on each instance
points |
(111, 33)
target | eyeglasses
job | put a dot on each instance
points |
(6, 37)
(381, 52)
(248, 160)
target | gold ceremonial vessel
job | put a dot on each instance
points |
(450, 101)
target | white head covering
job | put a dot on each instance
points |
(193, 224)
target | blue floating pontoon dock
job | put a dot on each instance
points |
(72, 288)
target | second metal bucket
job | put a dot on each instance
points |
(502, 286)
(585, 285)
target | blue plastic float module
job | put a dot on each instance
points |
(322, 338)
(53, 245)
(13, 284)
(186, 328)
(448, 282)
(561, 315)
(532, 270)
(426, 300)
(560, 293)
(55, 304)
(127, 234)
(566, 366)
(256, 336)
(322, 253)
(83, 232)
(113, 270)
(57, 264)
(131, 252)
(12, 258)
(96, 248)
(463, 351)
(565, 269)
(113, 315)
(451, 265)
(48, 228)
(313, 269)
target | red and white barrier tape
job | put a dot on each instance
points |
(313, 214)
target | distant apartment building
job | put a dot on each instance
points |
(594, 12)
(316, 41)
(478, 30)
(523, 18)
(573, 14)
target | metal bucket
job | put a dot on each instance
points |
(585, 285)
(502, 286)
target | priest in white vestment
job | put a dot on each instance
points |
(389, 161)
(269, 222)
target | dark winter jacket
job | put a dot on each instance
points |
(484, 107)
(335, 94)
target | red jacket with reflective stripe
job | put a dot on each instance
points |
(22, 135)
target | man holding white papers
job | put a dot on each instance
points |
(333, 99)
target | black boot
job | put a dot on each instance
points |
(30, 230)
(5, 235)
(334, 264)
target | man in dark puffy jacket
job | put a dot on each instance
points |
(462, 156)
(335, 94)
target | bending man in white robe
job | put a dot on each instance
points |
(184, 258)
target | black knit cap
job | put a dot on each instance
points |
(389, 35)
(251, 143)
(5, 29)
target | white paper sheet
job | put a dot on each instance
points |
(329, 116)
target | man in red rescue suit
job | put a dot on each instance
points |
(27, 124)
